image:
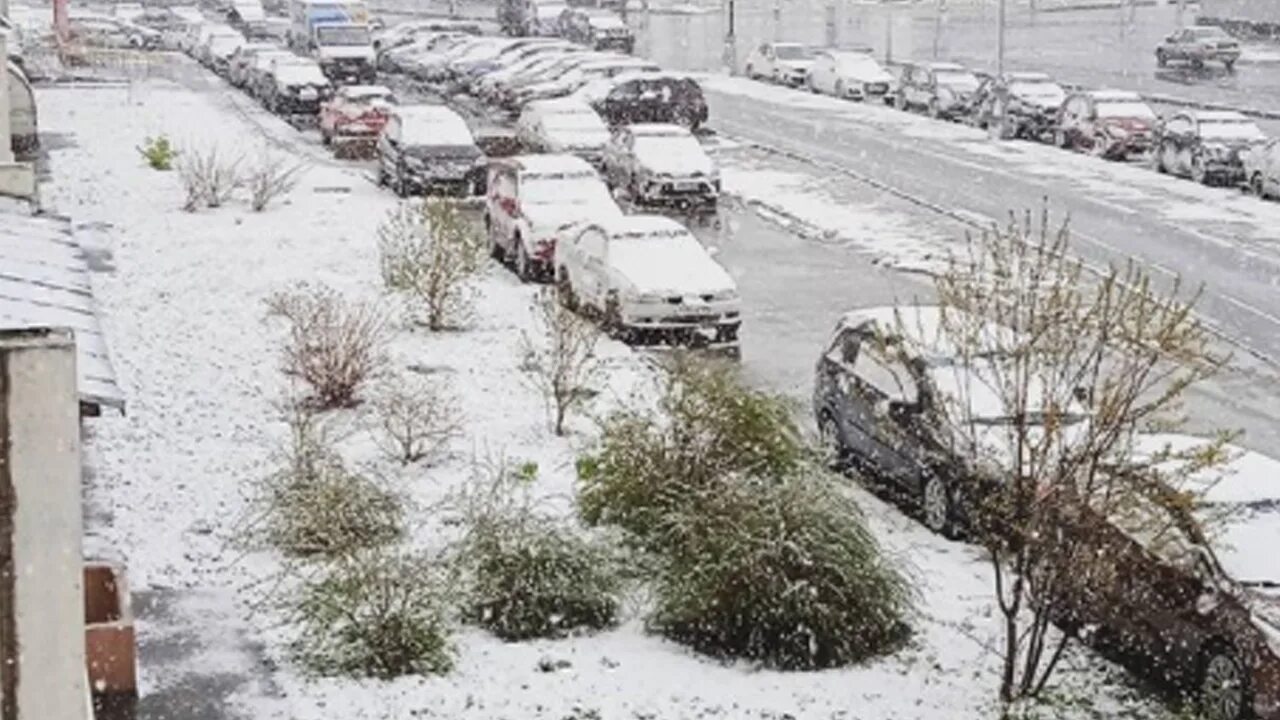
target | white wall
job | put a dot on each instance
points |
(42, 409)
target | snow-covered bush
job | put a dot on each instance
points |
(414, 419)
(432, 254)
(560, 357)
(271, 177)
(779, 570)
(314, 505)
(208, 178)
(528, 573)
(378, 613)
(333, 345)
(708, 425)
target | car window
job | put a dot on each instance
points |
(888, 376)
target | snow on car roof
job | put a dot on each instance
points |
(921, 325)
(1028, 77)
(620, 225)
(364, 91)
(659, 130)
(433, 125)
(1218, 116)
(549, 164)
(1115, 96)
(944, 66)
(605, 21)
(300, 73)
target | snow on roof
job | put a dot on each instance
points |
(44, 282)
(640, 225)
(1218, 116)
(364, 91)
(605, 22)
(920, 325)
(1246, 477)
(433, 125)
(550, 164)
(1115, 96)
(944, 66)
(659, 130)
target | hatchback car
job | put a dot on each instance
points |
(1113, 124)
(849, 74)
(781, 62)
(661, 164)
(1207, 145)
(564, 125)
(1019, 105)
(647, 97)
(1262, 169)
(1198, 45)
(943, 90)
(428, 149)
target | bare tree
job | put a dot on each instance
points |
(1077, 365)
(333, 345)
(272, 177)
(414, 419)
(431, 253)
(561, 360)
(208, 178)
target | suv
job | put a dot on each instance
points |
(429, 149)
(1108, 123)
(1020, 105)
(597, 29)
(1207, 145)
(781, 62)
(651, 281)
(647, 97)
(1198, 45)
(660, 164)
(944, 90)
(564, 125)
(531, 199)
(1262, 169)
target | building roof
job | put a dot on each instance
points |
(44, 282)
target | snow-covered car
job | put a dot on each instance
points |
(406, 32)
(444, 66)
(351, 120)
(209, 36)
(1206, 145)
(257, 75)
(296, 86)
(647, 97)
(505, 91)
(781, 62)
(531, 199)
(219, 51)
(849, 74)
(489, 87)
(1114, 124)
(596, 29)
(942, 89)
(581, 75)
(515, 54)
(428, 149)
(650, 281)
(658, 163)
(1019, 105)
(563, 125)
(1262, 169)
(242, 59)
(112, 33)
(1199, 44)
(401, 58)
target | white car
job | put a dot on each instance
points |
(127, 11)
(651, 281)
(658, 163)
(583, 74)
(531, 198)
(1262, 169)
(208, 34)
(563, 125)
(781, 62)
(849, 74)
(219, 51)
(487, 88)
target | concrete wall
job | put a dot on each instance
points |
(1264, 11)
(40, 407)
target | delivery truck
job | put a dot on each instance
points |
(336, 34)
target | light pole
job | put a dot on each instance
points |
(1000, 21)
(730, 40)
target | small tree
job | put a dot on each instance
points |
(414, 419)
(378, 613)
(158, 152)
(560, 358)
(1076, 366)
(272, 177)
(332, 344)
(431, 254)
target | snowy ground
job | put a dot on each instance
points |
(184, 316)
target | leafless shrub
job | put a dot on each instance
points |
(431, 254)
(271, 177)
(207, 177)
(414, 419)
(560, 360)
(333, 345)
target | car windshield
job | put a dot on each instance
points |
(1210, 33)
(957, 79)
(668, 145)
(344, 35)
(792, 52)
(555, 189)
(1231, 130)
(1125, 109)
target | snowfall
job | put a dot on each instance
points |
(183, 307)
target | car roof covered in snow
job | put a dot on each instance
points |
(1217, 116)
(433, 125)
(920, 325)
(1114, 96)
(640, 225)
(557, 106)
(659, 130)
(364, 91)
(548, 164)
(1028, 77)
(944, 66)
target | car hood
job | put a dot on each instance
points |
(794, 65)
(866, 75)
(675, 266)
(551, 216)
(677, 164)
(346, 52)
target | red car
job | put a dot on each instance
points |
(1108, 123)
(351, 120)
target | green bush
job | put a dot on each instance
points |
(159, 153)
(376, 614)
(780, 572)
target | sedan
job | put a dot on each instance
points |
(1207, 145)
(1262, 169)
(849, 74)
(1198, 45)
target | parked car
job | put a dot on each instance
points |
(209, 36)
(505, 93)
(650, 282)
(242, 59)
(661, 164)
(1113, 124)
(647, 97)
(406, 32)
(353, 118)
(1206, 145)
(219, 51)
(780, 62)
(597, 29)
(1262, 169)
(110, 33)
(434, 66)
(428, 149)
(1019, 105)
(401, 58)
(296, 86)
(1197, 610)
(849, 74)
(532, 198)
(1199, 44)
(489, 87)
(257, 76)
(581, 75)
(944, 90)
(471, 70)
(563, 125)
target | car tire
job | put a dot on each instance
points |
(382, 176)
(900, 102)
(937, 506)
(611, 319)
(1257, 186)
(840, 89)
(751, 72)
(325, 139)
(1161, 59)
(1060, 139)
(830, 442)
(1198, 172)
(1223, 685)
(1160, 166)
(935, 110)
(399, 186)
(1229, 65)
(564, 291)
(524, 265)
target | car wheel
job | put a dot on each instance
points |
(935, 111)
(399, 186)
(1060, 138)
(1257, 186)
(829, 440)
(1161, 59)
(840, 89)
(612, 320)
(524, 266)
(1224, 688)
(564, 291)
(1198, 171)
(1229, 65)
(324, 138)
(900, 101)
(937, 506)
(382, 177)
(751, 72)
(1098, 148)
(1160, 166)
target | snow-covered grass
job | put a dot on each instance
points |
(184, 316)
